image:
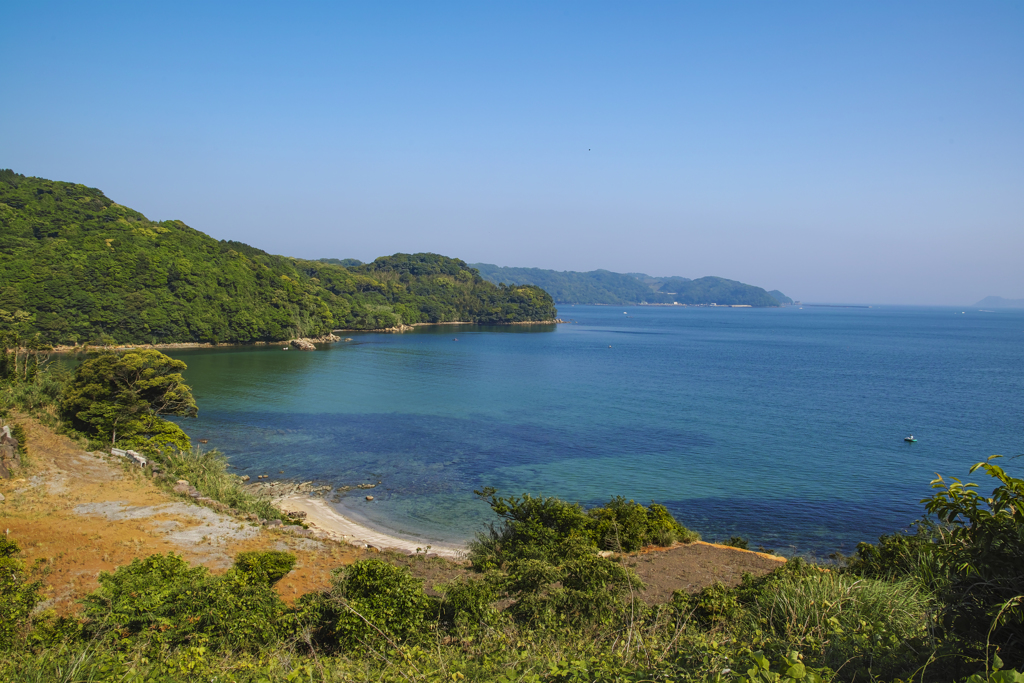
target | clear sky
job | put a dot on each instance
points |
(844, 152)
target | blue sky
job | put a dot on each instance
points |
(845, 152)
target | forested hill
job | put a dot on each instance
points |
(606, 287)
(78, 267)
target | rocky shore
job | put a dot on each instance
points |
(410, 328)
(301, 343)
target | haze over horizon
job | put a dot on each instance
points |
(860, 153)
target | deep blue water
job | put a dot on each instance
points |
(782, 425)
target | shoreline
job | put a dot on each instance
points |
(322, 517)
(85, 348)
(413, 326)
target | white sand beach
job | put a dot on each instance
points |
(322, 517)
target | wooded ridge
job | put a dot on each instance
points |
(76, 267)
(606, 287)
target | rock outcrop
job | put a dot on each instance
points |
(309, 343)
(10, 457)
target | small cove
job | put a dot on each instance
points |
(782, 425)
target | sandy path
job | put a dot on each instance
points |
(321, 516)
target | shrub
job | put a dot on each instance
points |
(981, 546)
(162, 599)
(737, 542)
(582, 588)
(534, 528)
(621, 525)
(468, 603)
(136, 597)
(901, 555)
(665, 538)
(18, 595)
(710, 608)
(269, 565)
(378, 604)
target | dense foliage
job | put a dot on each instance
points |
(554, 611)
(120, 398)
(606, 287)
(165, 602)
(76, 267)
(18, 594)
(971, 558)
(537, 528)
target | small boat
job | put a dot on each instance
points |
(910, 439)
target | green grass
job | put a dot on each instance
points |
(207, 471)
(847, 622)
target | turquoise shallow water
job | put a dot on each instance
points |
(782, 425)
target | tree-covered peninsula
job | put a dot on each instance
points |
(606, 287)
(76, 267)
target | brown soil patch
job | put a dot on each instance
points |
(76, 514)
(695, 566)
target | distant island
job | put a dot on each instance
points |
(606, 287)
(1000, 302)
(76, 267)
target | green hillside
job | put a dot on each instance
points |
(78, 267)
(595, 287)
(605, 287)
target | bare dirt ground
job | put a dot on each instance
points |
(76, 514)
(693, 567)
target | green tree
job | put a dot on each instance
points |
(122, 396)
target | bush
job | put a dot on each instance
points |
(900, 555)
(164, 600)
(377, 604)
(737, 542)
(270, 565)
(620, 525)
(581, 588)
(534, 528)
(981, 546)
(711, 608)
(468, 603)
(18, 595)
(39, 396)
(969, 557)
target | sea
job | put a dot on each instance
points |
(784, 426)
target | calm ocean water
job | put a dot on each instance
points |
(782, 425)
